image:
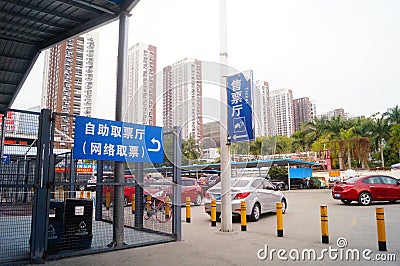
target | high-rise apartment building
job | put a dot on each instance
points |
(339, 112)
(182, 97)
(282, 108)
(140, 99)
(211, 135)
(303, 111)
(262, 119)
(70, 81)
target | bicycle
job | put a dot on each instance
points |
(160, 208)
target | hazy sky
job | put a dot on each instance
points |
(341, 53)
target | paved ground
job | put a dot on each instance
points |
(205, 245)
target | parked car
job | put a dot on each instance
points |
(159, 189)
(259, 193)
(189, 188)
(366, 189)
(208, 180)
(280, 184)
(298, 183)
(333, 180)
(129, 189)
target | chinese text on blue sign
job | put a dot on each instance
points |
(98, 139)
(240, 113)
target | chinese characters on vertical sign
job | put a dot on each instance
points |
(240, 112)
(99, 139)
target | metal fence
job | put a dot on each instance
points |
(52, 205)
(19, 131)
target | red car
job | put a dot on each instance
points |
(369, 188)
(158, 189)
(189, 188)
(129, 189)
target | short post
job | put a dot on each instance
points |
(213, 212)
(324, 224)
(243, 216)
(108, 200)
(188, 209)
(148, 202)
(167, 208)
(60, 194)
(88, 194)
(133, 203)
(380, 224)
(279, 219)
(81, 195)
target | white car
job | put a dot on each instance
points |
(259, 193)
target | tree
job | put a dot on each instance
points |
(380, 129)
(394, 140)
(393, 115)
(190, 150)
(347, 136)
(283, 144)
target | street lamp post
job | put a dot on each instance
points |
(226, 200)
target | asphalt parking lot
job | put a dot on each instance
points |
(353, 226)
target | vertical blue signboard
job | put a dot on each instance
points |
(240, 112)
(98, 139)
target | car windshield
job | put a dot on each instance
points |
(352, 179)
(235, 183)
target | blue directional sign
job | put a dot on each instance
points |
(240, 112)
(98, 139)
(6, 158)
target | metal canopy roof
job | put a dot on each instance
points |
(29, 26)
(249, 164)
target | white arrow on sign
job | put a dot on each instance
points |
(235, 137)
(153, 140)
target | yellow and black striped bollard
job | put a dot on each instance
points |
(279, 219)
(148, 202)
(188, 209)
(213, 212)
(108, 200)
(324, 224)
(243, 221)
(380, 225)
(167, 208)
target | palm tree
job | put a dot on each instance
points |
(393, 115)
(299, 141)
(394, 140)
(347, 136)
(380, 129)
(334, 127)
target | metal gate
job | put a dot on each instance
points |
(53, 205)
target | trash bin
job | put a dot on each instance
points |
(55, 230)
(78, 223)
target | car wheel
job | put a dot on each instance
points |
(345, 201)
(255, 213)
(364, 198)
(126, 201)
(286, 187)
(284, 205)
(198, 200)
